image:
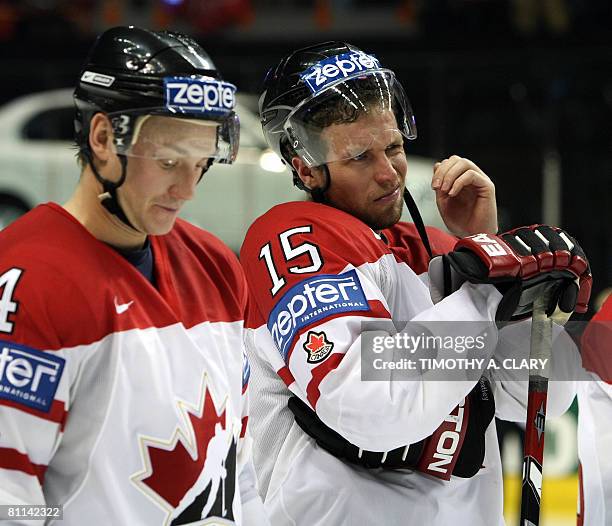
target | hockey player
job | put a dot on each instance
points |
(123, 379)
(594, 412)
(334, 449)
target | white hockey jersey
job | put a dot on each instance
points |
(123, 402)
(315, 273)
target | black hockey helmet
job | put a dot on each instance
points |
(316, 86)
(132, 72)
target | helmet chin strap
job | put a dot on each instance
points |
(417, 220)
(108, 198)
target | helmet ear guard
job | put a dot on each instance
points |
(287, 155)
(317, 194)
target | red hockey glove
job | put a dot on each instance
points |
(523, 264)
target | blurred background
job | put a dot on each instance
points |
(521, 87)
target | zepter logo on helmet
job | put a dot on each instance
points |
(326, 86)
(196, 120)
(323, 74)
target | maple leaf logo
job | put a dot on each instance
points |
(317, 346)
(191, 471)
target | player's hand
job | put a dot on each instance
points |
(465, 197)
(524, 263)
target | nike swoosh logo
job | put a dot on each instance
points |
(122, 307)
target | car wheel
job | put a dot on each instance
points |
(11, 208)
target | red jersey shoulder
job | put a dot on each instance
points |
(54, 249)
(407, 246)
(46, 277)
(35, 235)
(206, 272)
(605, 312)
(344, 238)
(595, 343)
(202, 243)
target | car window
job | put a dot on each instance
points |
(57, 124)
(54, 124)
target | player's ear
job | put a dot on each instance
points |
(311, 177)
(101, 137)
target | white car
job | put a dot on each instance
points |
(38, 164)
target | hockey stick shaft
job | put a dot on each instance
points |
(541, 347)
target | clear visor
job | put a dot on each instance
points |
(343, 143)
(350, 117)
(163, 137)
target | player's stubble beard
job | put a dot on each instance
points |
(389, 218)
(391, 215)
(376, 220)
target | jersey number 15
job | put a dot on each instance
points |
(290, 252)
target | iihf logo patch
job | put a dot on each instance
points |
(318, 347)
